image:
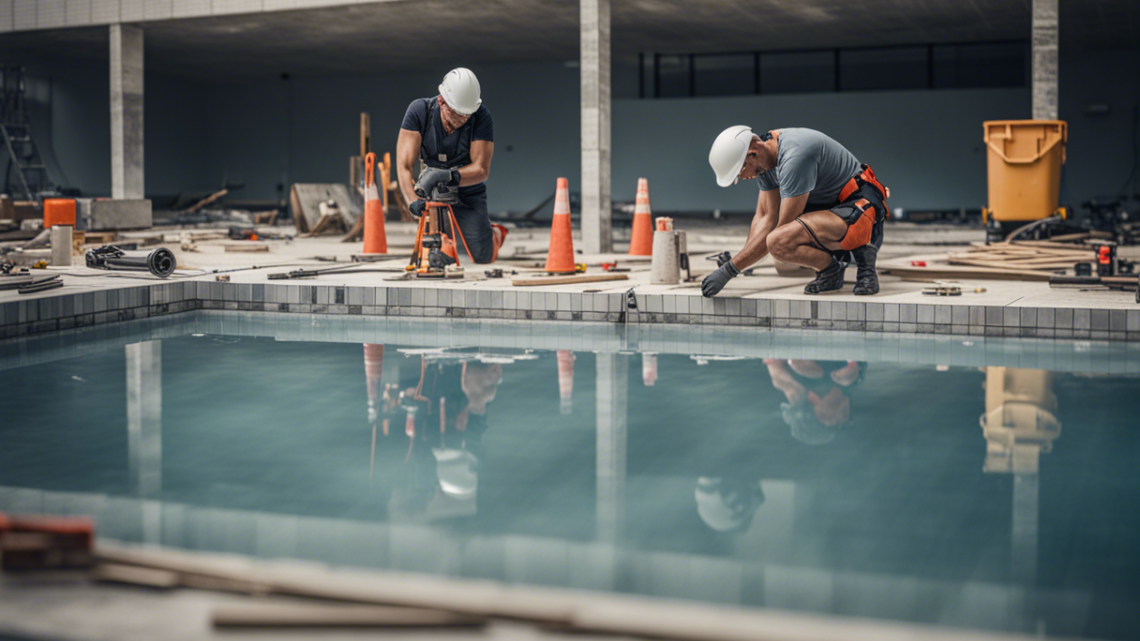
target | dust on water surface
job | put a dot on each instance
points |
(981, 497)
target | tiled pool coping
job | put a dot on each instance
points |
(50, 313)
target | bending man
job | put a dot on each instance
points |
(452, 134)
(817, 206)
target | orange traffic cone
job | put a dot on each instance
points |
(649, 369)
(566, 380)
(641, 243)
(375, 240)
(560, 260)
(373, 368)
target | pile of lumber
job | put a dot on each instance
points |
(1033, 255)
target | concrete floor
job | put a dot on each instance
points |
(525, 250)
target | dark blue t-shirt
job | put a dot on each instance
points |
(478, 127)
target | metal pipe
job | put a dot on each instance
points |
(160, 261)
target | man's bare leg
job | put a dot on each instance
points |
(808, 241)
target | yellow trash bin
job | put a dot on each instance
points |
(1024, 159)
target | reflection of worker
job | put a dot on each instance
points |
(453, 136)
(816, 204)
(443, 411)
(818, 393)
(727, 504)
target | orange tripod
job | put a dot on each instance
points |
(432, 244)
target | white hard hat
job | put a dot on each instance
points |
(460, 90)
(728, 153)
(456, 469)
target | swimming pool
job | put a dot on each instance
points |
(962, 481)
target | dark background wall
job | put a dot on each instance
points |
(926, 144)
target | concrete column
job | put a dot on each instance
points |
(612, 396)
(144, 416)
(1045, 38)
(126, 112)
(1024, 531)
(597, 232)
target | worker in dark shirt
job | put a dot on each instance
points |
(453, 135)
(818, 206)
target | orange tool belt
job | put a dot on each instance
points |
(864, 177)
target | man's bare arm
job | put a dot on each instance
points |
(480, 167)
(756, 247)
(791, 208)
(407, 151)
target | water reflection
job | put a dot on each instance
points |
(825, 484)
(819, 396)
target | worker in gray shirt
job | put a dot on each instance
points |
(818, 206)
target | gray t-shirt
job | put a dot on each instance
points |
(809, 161)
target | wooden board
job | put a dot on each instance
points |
(940, 272)
(304, 615)
(567, 280)
(246, 248)
(304, 198)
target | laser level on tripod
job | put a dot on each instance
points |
(435, 254)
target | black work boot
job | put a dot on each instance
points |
(828, 280)
(866, 279)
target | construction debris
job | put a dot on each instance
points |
(1043, 255)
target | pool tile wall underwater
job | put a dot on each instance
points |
(67, 311)
(658, 338)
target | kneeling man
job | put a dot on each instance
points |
(818, 206)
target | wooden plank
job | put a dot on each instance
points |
(310, 195)
(205, 201)
(1000, 265)
(246, 248)
(567, 280)
(294, 615)
(945, 272)
(1028, 263)
(133, 575)
(365, 134)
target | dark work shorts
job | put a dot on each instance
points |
(864, 212)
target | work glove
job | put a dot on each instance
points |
(432, 176)
(716, 281)
(417, 208)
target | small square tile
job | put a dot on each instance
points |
(926, 314)
(1011, 317)
(1098, 320)
(1118, 320)
(1029, 317)
(1064, 318)
(1082, 319)
(875, 312)
(943, 314)
(891, 312)
(908, 313)
(994, 316)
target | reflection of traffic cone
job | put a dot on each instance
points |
(566, 380)
(375, 240)
(560, 260)
(373, 367)
(641, 243)
(649, 369)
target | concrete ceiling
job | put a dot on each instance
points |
(415, 34)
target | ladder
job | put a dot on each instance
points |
(24, 157)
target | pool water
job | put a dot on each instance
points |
(972, 483)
